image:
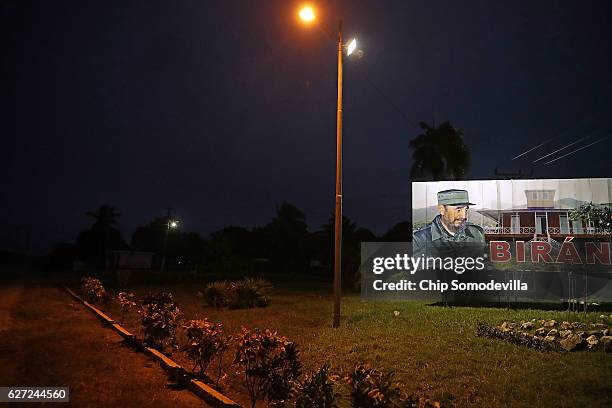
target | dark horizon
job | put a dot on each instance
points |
(225, 110)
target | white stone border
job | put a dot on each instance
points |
(178, 373)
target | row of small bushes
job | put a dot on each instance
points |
(269, 363)
(243, 294)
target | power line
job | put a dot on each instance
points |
(589, 128)
(558, 150)
(531, 150)
(572, 152)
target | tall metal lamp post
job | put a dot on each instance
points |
(308, 16)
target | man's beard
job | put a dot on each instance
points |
(455, 229)
(461, 227)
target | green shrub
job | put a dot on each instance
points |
(243, 294)
(248, 293)
(92, 289)
(371, 388)
(205, 342)
(160, 315)
(316, 390)
(217, 294)
(126, 299)
(270, 363)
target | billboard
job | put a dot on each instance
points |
(558, 226)
(532, 240)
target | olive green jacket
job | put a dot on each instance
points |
(433, 239)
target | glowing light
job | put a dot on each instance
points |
(351, 47)
(173, 224)
(307, 14)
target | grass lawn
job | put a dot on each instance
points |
(433, 350)
(49, 339)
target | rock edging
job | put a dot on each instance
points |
(569, 336)
(177, 372)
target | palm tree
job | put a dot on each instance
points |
(289, 239)
(95, 242)
(289, 218)
(439, 153)
(105, 216)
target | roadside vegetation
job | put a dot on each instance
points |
(418, 354)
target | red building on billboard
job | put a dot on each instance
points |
(540, 219)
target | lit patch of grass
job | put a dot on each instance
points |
(433, 350)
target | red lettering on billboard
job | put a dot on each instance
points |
(601, 252)
(540, 249)
(520, 251)
(568, 252)
(500, 251)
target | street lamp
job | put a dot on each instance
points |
(352, 46)
(171, 224)
(307, 15)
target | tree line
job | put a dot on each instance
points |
(285, 244)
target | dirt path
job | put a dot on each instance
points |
(8, 297)
(48, 339)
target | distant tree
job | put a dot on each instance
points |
(186, 247)
(289, 239)
(400, 232)
(192, 248)
(259, 246)
(289, 218)
(231, 243)
(230, 251)
(351, 235)
(94, 243)
(351, 248)
(105, 216)
(363, 235)
(150, 237)
(439, 153)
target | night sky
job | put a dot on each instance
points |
(224, 109)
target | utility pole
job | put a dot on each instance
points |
(165, 244)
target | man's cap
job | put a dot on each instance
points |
(454, 197)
